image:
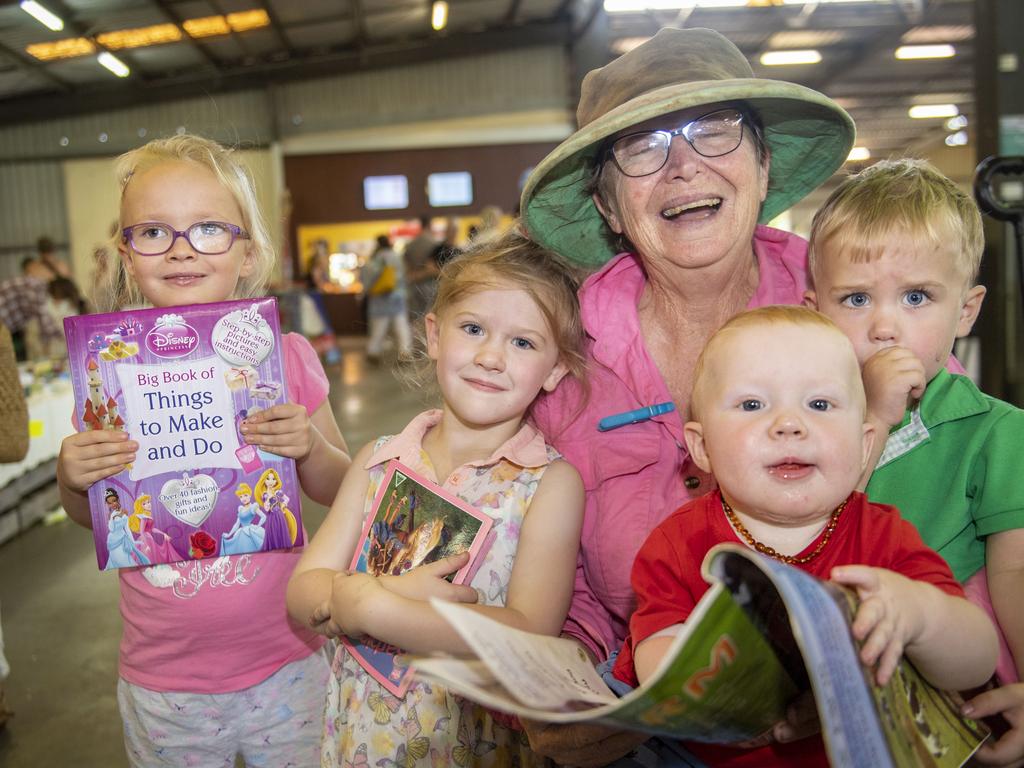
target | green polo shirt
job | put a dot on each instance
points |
(955, 469)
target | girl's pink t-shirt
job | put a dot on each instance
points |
(216, 626)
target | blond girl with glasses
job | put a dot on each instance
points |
(210, 666)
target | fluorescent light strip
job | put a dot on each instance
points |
(114, 64)
(439, 15)
(42, 15)
(827, 2)
(925, 52)
(635, 6)
(924, 111)
(782, 58)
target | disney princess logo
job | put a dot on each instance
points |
(171, 337)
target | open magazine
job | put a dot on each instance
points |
(763, 632)
(412, 521)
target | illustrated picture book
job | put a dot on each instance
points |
(179, 381)
(412, 521)
(761, 635)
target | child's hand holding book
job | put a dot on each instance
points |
(429, 581)
(898, 615)
(284, 429)
(363, 602)
(88, 457)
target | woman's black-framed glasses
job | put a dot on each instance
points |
(209, 238)
(645, 152)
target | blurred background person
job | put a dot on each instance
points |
(448, 248)
(24, 309)
(490, 224)
(318, 282)
(47, 255)
(383, 278)
(420, 270)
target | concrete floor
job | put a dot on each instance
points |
(61, 625)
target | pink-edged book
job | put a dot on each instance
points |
(413, 521)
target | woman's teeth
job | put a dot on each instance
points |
(707, 202)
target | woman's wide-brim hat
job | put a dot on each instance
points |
(808, 135)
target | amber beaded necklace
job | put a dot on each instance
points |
(764, 549)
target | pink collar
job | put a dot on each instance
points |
(526, 448)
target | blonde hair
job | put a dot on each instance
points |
(547, 279)
(261, 485)
(780, 314)
(114, 289)
(135, 521)
(903, 196)
(243, 489)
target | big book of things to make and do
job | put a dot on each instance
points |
(179, 381)
(412, 521)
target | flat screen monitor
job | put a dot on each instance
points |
(447, 189)
(381, 193)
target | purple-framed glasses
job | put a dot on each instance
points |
(209, 238)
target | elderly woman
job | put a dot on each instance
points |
(681, 151)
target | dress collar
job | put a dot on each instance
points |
(526, 448)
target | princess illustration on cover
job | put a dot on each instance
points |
(281, 528)
(152, 542)
(122, 550)
(245, 535)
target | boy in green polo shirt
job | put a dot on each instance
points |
(894, 255)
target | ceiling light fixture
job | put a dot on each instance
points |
(67, 48)
(140, 37)
(956, 123)
(114, 64)
(207, 26)
(827, 2)
(242, 21)
(44, 16)
(634, 6)
(957, 139)
(924, 111)
(782, 58)
(944, 51)
(439, 15)
(858, 154)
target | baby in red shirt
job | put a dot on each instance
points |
(778, 416)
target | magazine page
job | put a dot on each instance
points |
(719, 681)
(412, 521)
(907, 723)
(922, 724)
(179, 381)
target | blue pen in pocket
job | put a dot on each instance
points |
(633, 417)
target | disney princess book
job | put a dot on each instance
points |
(412, 521)
(179, 381)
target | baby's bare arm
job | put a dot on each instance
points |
(951, 642)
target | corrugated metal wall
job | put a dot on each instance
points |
(31, 187)
(31, 204)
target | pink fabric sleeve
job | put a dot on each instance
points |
(589, 623)
(976, 590)
(307, 382)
